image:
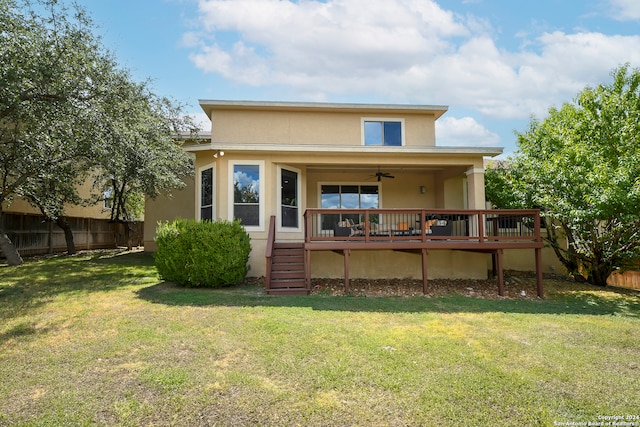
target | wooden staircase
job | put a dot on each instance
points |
(286, 272)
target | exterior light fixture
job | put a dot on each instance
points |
(218, 153)
(422, 189)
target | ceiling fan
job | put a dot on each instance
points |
(379, 175)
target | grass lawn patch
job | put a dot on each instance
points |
(99, 339)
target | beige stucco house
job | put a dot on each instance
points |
(319, 169)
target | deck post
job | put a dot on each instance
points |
(425, 286)
(494, 267)
(539, 286)
(500, 272)
(346, 252)
(307, 269)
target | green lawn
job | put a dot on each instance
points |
(98, 339)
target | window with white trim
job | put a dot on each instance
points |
(206, 197)
(247, 194)
(289, 198)
(387, 132)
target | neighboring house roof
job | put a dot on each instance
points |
(187, 136)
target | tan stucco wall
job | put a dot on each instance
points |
(441, 264)
(321, 128)
(181, 204)
(96, 210)
(525, 260)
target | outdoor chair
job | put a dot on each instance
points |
(347, 228)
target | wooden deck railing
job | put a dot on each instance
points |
(423, 225)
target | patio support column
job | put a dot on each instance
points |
(347, 252)
(425, 287)
(475, 198)
(540, 289)
(475, 188)
(500, 272)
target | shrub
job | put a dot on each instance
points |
(192, 253)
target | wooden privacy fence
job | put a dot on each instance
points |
(33, 234)
(628, 279)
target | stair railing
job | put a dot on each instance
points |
(271, 239)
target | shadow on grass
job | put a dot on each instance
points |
(606, 302)
(39, 279)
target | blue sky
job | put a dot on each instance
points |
(495, 63)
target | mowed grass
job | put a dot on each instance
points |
(99, 339)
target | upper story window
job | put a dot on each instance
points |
(389, 132)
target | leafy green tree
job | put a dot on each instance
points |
(136, 152)
(68, 109)
(51, 69)
(581, 166)
(245, 193)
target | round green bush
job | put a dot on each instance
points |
(192, 253)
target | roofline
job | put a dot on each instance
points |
(360, 149)
(188, 136)
(208, 105)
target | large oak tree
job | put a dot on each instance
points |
(68, 109)
(581, 166)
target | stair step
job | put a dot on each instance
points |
(278, 259)
(287, 274)
(280, 254)
(288, 245)
(288, 291)
(289, 281)
(287, 266)
(288, 252)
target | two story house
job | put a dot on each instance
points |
(345, 190)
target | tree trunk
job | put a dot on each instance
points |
(68, 234)
(598, 273)
(127, 234)
(9, 250)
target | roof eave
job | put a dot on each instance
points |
(209, 105)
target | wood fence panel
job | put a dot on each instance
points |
(628, 280)
(34, 235)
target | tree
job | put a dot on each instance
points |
(136, 152)
(581, 166)
(51, 69)
(67, 108)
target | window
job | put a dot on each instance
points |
(289, 199)
(206, 194)
(347, 197)
(108, 198)
(247, 195)
(382, 132)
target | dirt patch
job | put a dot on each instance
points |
(437, 287)
(518, 285)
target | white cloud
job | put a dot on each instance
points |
(626, 10)
(465, 132)
(403, 50)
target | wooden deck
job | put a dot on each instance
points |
(418, 230)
